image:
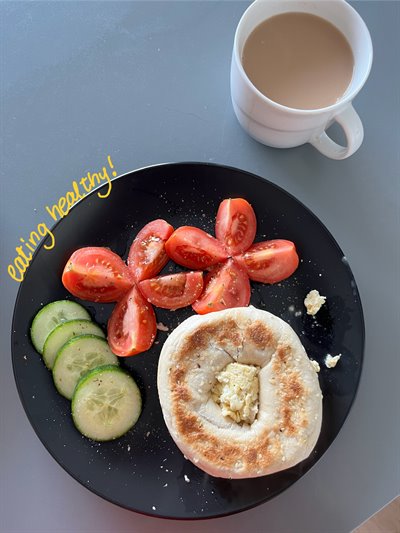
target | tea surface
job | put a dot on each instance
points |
(299, 60)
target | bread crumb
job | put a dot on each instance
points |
(186, 478)
(313, 302)
(315, 365)
(331, 361)
(162, 327)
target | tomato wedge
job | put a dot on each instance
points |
(132, 325)
(96, 274)
(236, 225)
(226, 286)
(270, 261)
(194, 248)
(147, 256)
(173, 291)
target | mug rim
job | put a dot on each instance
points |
(342, 102)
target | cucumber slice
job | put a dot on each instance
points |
(106, 403)
(76, 357)
(50, 316)
(63, 333)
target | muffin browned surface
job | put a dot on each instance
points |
(289, 415)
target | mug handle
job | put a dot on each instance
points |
(353, 129)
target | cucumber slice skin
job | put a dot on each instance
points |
(102, 379)
(64, 332)
(50, 316)
(66, 373)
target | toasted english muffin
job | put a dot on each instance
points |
(193, 370)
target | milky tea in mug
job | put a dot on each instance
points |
(299, 60)
(296, 67)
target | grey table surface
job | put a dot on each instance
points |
(148, 82)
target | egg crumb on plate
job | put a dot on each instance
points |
(313, 302)
(331, 361)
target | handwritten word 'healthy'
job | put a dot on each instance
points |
(57, 211)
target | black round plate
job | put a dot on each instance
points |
(144, 471)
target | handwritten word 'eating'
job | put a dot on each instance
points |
(57, 211)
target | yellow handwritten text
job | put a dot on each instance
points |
(18, 268)
(79, 190)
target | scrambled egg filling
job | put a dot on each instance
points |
(236, 392)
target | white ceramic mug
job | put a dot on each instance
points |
(279, 126)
